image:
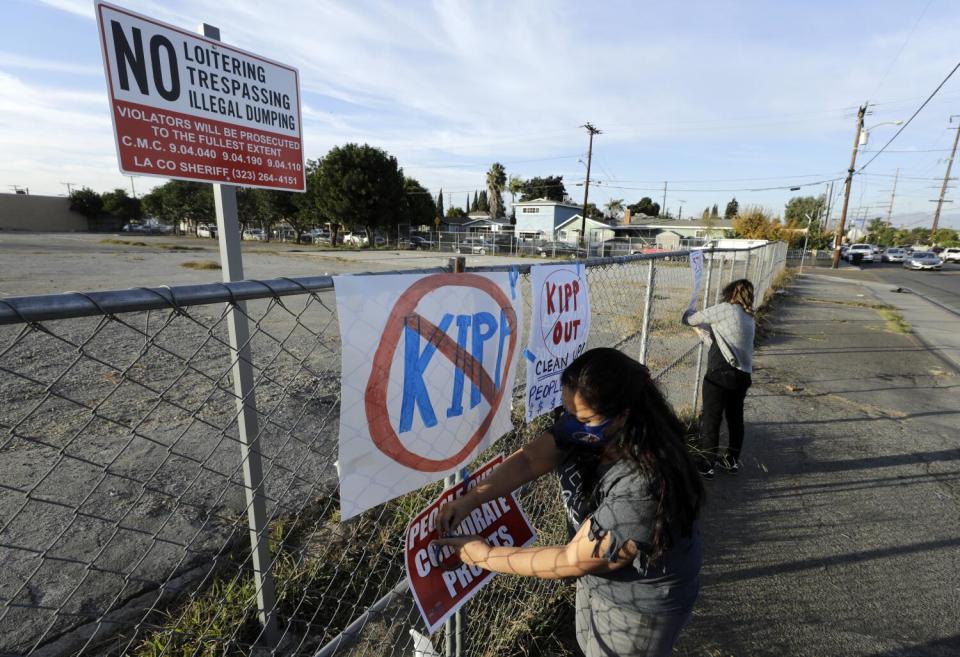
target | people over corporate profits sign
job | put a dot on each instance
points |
(696, 271)
(428, 365)
(558, 331)
(440, 592)
(192, 108)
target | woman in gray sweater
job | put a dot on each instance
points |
(729, 329)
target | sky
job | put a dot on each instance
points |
(718, 100)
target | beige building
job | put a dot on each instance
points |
(24, 212)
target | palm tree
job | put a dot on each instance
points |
(496, 179)
(514, 186)
(614, 207)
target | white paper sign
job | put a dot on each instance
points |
(696, 267)
(428, 366)
(558, 332)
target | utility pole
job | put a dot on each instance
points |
(69, 187)
(946, 180)
(893, 195)
(586, 187)
(133, 189)
(846, 190)
(663, 206)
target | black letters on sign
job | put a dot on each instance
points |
(129, 57)
(173, 92)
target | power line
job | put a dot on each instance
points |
(910, 120)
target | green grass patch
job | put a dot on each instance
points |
(895, 320)
(123, 242)
(201, 264)
(165, 246)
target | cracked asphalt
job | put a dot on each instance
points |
(842, 535)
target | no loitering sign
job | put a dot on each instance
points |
(192, 108)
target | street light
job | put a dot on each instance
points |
(865, 133)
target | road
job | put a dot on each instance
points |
(942, 286)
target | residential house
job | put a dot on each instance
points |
(597, 231)
(540, 218)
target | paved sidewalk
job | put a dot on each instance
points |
(842, 535)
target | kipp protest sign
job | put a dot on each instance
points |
(441, 592)
(558, 331)
(696, 269)
(428, 366)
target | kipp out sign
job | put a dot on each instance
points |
(192, 108)
(427, 370)
(440, 584)
(558, 331)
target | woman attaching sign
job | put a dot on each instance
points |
(632, 495)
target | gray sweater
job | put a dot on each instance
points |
(733, 329)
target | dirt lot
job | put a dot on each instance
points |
(118, 441)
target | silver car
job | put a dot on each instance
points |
(893, 254)
(923, 260)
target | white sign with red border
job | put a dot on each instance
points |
(439, 593)
(192, 108)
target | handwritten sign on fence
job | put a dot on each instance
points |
(558, 332)
(428, 365)
(440, 592)
(696, 270)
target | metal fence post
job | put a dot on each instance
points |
(697, 380)
(716, 292)
(647, 309)
(454, 633)
(746, 266)
(225, 201)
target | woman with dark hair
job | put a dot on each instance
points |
(632, 495)
(729, 328)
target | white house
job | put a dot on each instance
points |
(597, 231)
(541, 217)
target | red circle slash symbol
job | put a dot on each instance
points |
(404, 315)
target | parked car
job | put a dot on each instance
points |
(950, 254)
(923, 260)
(474, 245)
(418, 243)
(560, 250)
(865, 251)
(318, 236)
(893, 254)
(256, 234)
(355, 239)
(206, 230)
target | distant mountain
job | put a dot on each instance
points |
(914, 219)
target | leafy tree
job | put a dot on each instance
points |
(732, 208)
(550, 187)
(514, 186)
(360, 186)
(121, 206)
(646, 206)
(418, 208)
(496, 181)
(756, 224)
(614, 207)
(455, 212)
(593, 212)
(179, 200)
(87, 202)
(797, 215)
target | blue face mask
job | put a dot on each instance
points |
(568, 429)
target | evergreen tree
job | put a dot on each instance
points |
(483, 205)
(475, 205)
(714, 212)
(732, 210)
(440, 203)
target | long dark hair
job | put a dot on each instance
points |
(739, 292)
(611, 382)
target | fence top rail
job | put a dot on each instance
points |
(44, 307)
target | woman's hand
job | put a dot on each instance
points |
(453, 513)
(472, 550)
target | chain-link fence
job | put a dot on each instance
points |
(155, 502)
